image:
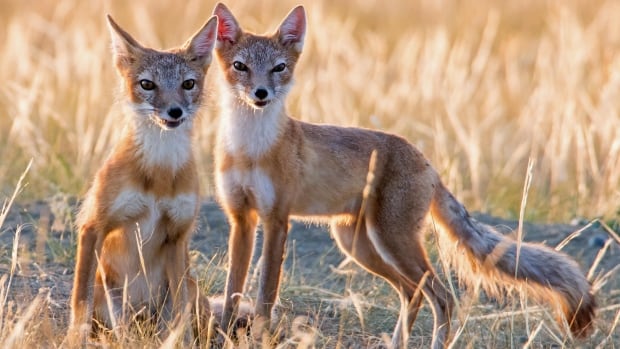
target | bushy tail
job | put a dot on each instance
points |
(484, 257)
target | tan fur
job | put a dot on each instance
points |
(272, 167)
(140, 212)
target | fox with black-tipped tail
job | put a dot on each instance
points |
(486, 258)
(270, 166)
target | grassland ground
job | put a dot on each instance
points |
(326, 301)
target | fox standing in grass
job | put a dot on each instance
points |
(137, 218)
(271, 167)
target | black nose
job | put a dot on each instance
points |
(175, 113)
(261, 93)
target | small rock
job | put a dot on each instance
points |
(598, 240)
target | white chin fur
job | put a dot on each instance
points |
(163, 145)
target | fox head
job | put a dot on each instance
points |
(259, 68)
(163, 87)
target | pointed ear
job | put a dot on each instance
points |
(125, 48)
(228, 29)
(293, 29)
(200, 46)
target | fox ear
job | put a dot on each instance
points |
(200, 46)
(228, 29)
(293, 29)
(126, 49)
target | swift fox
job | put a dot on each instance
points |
(270, 167)
(137, 218)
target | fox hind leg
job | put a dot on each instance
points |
(357, 245)
(395, 229)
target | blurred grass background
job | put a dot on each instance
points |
(478, 86)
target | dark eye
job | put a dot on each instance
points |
(239, 66)
(147, 84)
(188, 84)
(278, 68)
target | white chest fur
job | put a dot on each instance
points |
(247, 131)
(254, 182)
(147, 209)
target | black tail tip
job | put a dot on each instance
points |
(582, 320)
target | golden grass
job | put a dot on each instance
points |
(479, 86)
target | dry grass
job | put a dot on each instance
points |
(479, 86)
